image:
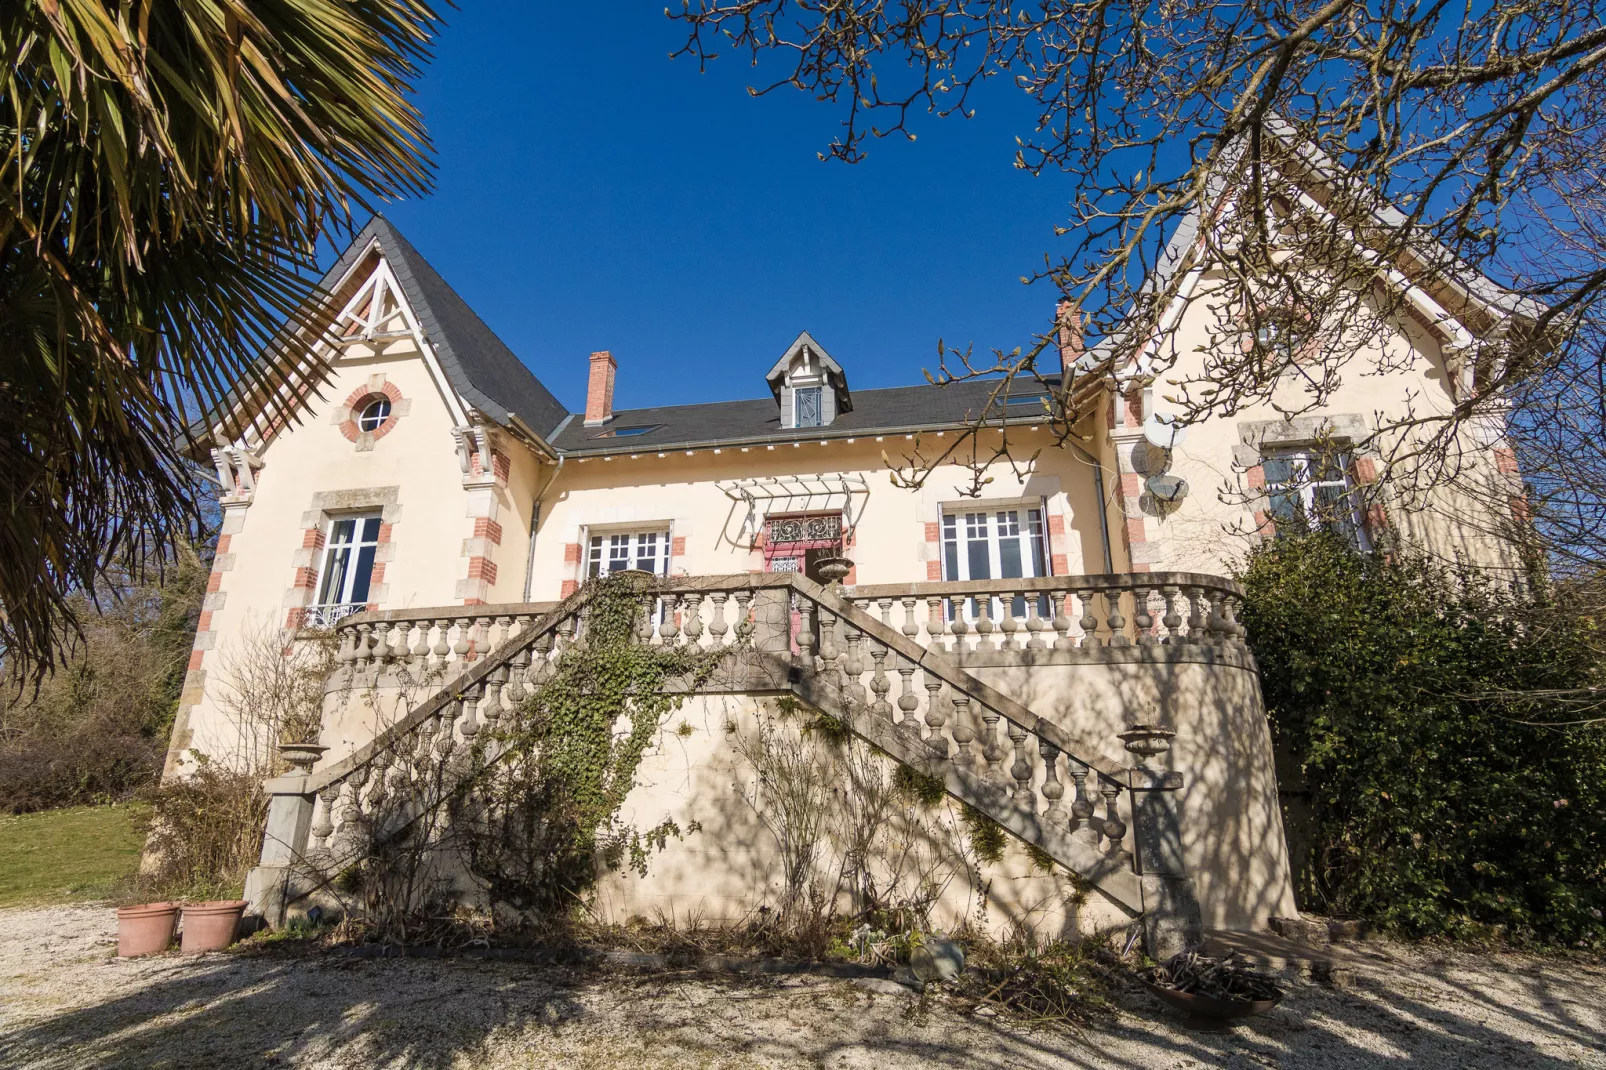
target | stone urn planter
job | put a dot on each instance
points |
(301, 757)
(145, 929)
(833, 570)
(211, 926)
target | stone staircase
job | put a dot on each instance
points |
(902, 688)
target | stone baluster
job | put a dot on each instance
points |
(541, 658)
(1196, 625)
(880, 683)
(911, 627)
(1084, 819)
(1112, 827)
(1010, 624)
(852, 665)
(886, 611)
(418, 663)
(963, 730)
(1115, 621)
(364, 650)
(744, 615)
(984, 623)
(1063, 639)
(1090, 620)
(1172, 619)
(805, 632)
(1215, 624)
(461, 646)
(323, 822)
(470, 725)
(907, 703)
(693, 623)
(435, 655)
(1142, 619)
(829, 651)
(380, 651)
(717, 627)
(1021, 769)
(511, 691)
(935, 625)
(669, 627)
(992, 748)
(936, 718)
(346, 652)
(958, 628)
(1035, 623)
(445, 738)
(500, 623)
(1052, 789)
(1231, 629)
(482, 636)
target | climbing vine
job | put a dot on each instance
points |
(541, 810)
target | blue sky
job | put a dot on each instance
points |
(594, 194)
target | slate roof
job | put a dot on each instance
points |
(474, 360)
(899, 409)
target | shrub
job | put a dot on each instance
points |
(95, 730)
(205, 834)
(1437, 728)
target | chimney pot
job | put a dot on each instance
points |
(599, 388)
(1068, 326)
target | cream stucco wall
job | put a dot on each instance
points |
(311, 472)
(1396, 372)
(715, 534)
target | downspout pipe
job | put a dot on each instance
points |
(1104, 517)
(535, 506)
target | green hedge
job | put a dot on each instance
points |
(1429, 778)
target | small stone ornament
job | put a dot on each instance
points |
(1147, 740)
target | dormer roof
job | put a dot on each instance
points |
(814, 354)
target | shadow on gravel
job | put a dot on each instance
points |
(294, 1009)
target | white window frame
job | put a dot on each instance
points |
(958, 526)
(601, 547)
(332, 605)
(362, 414)
(1305, 489)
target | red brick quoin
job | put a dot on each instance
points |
(358, 399)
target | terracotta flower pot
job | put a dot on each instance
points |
(145, 929)
(211, 926)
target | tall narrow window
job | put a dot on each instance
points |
(1311, 488)
(810, 411)
(348, 566)
(644, 550)
(997, 544)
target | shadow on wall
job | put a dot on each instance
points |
(1232, 830)
(763, 790)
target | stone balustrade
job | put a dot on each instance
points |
(429, 640)
(886, 660)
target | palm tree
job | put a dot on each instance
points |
(169, 169)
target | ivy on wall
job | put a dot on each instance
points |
(535, 821)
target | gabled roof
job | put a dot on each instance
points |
(834, 374)
(477, 363)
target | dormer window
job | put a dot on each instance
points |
(806, 400)
(810, 387)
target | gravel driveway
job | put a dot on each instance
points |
(66, 1002)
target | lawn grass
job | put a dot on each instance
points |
(61, 856)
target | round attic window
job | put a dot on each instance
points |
(374, 413)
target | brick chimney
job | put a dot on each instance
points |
(1068, 320)
(599, 388)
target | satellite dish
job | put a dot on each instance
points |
(1168, 488)
(1162, 430)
